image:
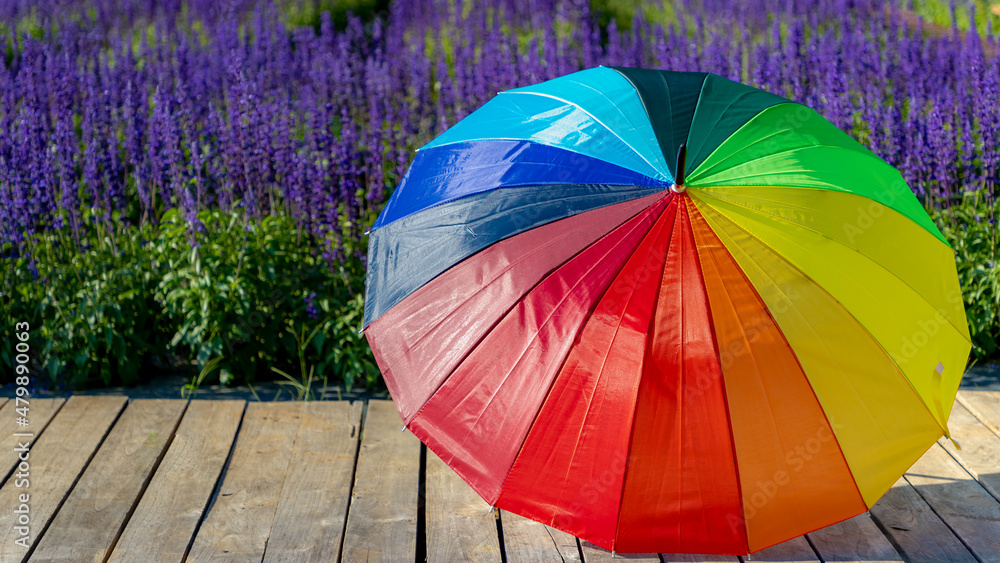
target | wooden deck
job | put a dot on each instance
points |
(171, 480)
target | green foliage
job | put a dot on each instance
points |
(232, 295)
(190, 390)
(351, 358)
(241, 293)
(229, 294)
(624, 11)
(971, 227)
(92, 315)
(982, 14)
(301, 14)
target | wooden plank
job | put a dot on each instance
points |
(984, 404)
(382, 520)
(961, 502)
(240, 519)
(40, 412)
(165, 519)
(527, 540)
(980, 454)
(460, 525)
(793, 550)
(88, 524)
(914, 528)
(856, 539)
(56, 459)
(594, 554)
(313, 509)
(691, 558)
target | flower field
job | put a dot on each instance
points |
(192, 180)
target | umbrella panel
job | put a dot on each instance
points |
(426, 335)
(499, 387)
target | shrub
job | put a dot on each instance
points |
(971, 227)
(233, 293)
(89, 304)
(244, 290)
(281, 128)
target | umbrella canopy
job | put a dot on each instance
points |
(710, 364)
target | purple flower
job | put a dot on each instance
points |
(310, 307)
(321, 123)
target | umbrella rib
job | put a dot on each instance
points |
(631, 434)
(869, 258)
(930, 227)
(654, 181)
(753, 356)
(804, 371)
(707, 189)
(679, 416)
(673, 115)
(510, 371)
(592, 116)
(669, 100)
(520, 259)
(722, 382)
(725, 394)
(737, 131)
(899, 372)
(639, 192)
(509, 309)
(707, 176)
(534, 337)
(651, 148)
(699, 171)
(627, 195)
(607, 354)
(694, 115)
(718, 118)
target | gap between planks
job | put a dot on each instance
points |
(942, 509)
(59, 458)
(169, 510)
(382, 519)
(977, 469)
(284, 499)
(89, 522)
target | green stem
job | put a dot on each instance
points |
(243, 249)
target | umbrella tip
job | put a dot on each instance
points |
(681, 161)
(954, 442)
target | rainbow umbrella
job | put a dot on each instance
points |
(652, 361)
